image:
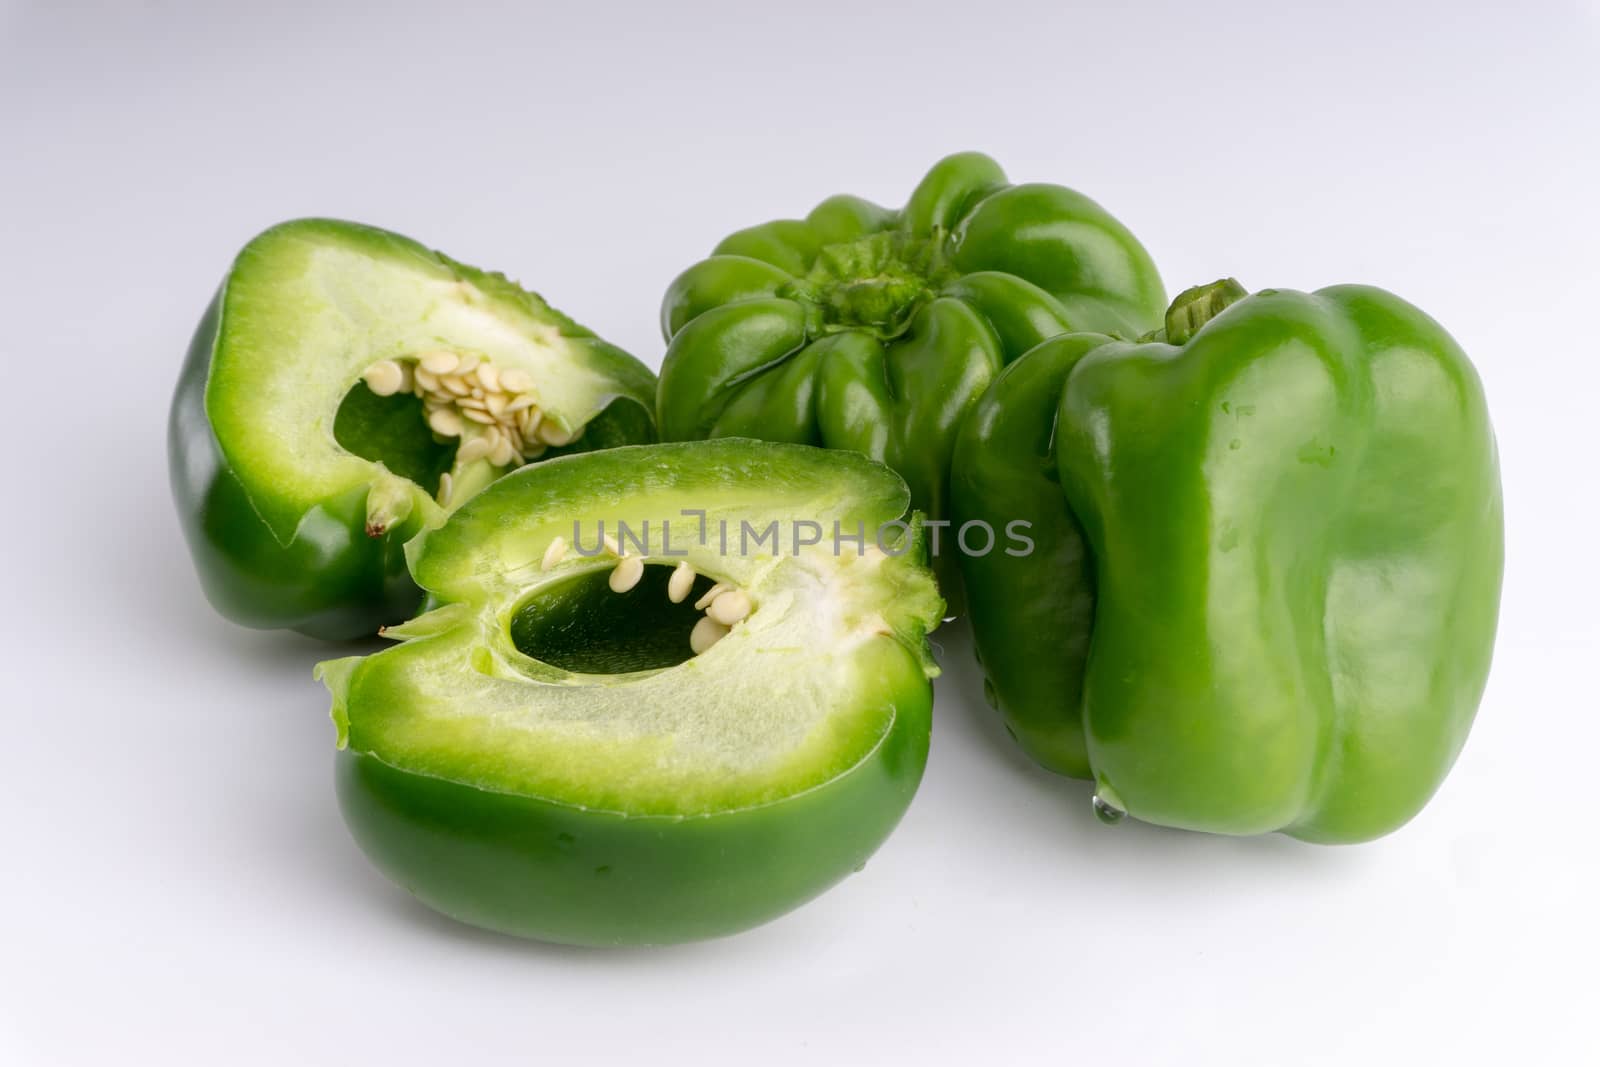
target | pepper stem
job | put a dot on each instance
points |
(1195, 307)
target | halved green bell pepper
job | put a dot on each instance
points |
(297, 483)
(875, 330)
(1266, 566)
(555, 751)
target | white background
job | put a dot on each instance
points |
(175, 883)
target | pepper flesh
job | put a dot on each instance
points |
(1269, 560)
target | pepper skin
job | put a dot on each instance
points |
(290, 544)
(1269, 552)
(544, 756)
(875, 330)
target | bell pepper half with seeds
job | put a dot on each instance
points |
(1266, 566)
(650, 704)
(346, 389)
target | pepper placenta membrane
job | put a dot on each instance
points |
(617, 726)
(864, 328)
(1267, 563)
(348, 387)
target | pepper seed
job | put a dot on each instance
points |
(384, 378)
(626, 575)
(473, 448)
(730, 607)
(711, 594)
(440, 362)
(555, 436)
(706, 632)
(446, 422)
(553, 554)
(680, 583)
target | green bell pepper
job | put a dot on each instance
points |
(566, 749)
(307, 443)
(875, 330)
(1266, 567)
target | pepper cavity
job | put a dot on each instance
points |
(725, 606)
(495, 413)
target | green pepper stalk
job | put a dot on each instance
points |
(875, 330)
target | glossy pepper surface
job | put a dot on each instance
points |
(297, 485)
(865, 328)
(1266, 567)
(553, 752)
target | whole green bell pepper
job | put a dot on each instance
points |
(565, 748)
(305, 448)
(875, 330)
(1266, 566)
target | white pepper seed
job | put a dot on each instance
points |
(461, 390)
(446, 422)
(680, 583)
(706, 632)
(553, 554)
(474, 448)
(730, 607)
(711, 594)
(440, 362)
(554, 436)
(446, 488)
(384, 378)
(626, 575)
